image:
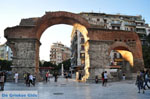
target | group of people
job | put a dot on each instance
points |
(29, 79)
(104, 77)
(142, 80)
(48, 76)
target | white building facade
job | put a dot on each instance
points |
(77, 49)
(5, 52)
(119, 22)
(59, 53)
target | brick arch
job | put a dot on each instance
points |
(122, 46)
(119, 46)
(60, 17)
(126, 37)
(25, 40)
(126, 52)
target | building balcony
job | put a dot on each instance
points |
(116, 23)
(139, 21)
(130, 24)
(140, 30)
(140, 26)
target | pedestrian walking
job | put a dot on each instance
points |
(16, 77)
(34, 79)
(2, 80)
(105, 78)
(55, 76)
(49, 76)
(102, 78)
(27, 79)
(31, 80)
(146, 79)
(139, 82)
(46, 76)
(96, 79)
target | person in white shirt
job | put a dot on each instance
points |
(31, 80)
(105, 78)
(16, 77)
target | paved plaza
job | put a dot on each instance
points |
(74, 90)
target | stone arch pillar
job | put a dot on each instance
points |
(24, 45)
(99, 58)
(25, 59)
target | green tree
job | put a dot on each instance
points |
(48, 64)
(40, 64)
(66, 64)
(148, 38)
(5, 65)
(146, 52)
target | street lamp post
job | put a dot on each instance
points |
(62, 70)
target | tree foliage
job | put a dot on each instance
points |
(146, 52)
(66, 64)
(5, 65)
(46, 64)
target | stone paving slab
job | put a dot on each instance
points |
(71, 89)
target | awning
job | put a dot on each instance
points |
(115, 67)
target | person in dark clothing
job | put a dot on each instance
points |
(146, 79)
(55, 76)
(46, 76)
(96, 79)
(27, 79)
(102, 78)
(139, 82)
(2, 78)
(5, 76)
(34, 79)
(80, 76)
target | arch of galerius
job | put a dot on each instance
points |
(24, 41)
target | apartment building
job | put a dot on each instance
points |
(77, 50)
(59, 53)
(119, 22)
(5, 52)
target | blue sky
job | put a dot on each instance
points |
(12, 11)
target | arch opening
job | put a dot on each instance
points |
(75, 20)
(127, 55)
(124, 50)
(84, 32)
(56, 33)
